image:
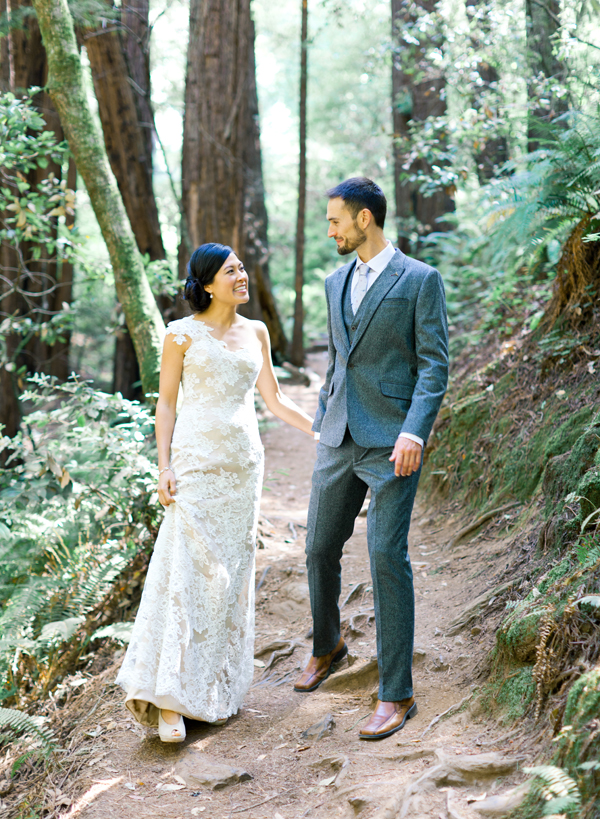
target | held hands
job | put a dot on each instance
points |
(407, 457)
(167, 486)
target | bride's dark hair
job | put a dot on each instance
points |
(203, 266)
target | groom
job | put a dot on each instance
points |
(387, 375)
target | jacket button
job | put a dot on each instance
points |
(353, 327)
(350, 366)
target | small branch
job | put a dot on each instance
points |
(560, 24)
(480, 521)
(264, 801)
(450, 710)
(183, 226)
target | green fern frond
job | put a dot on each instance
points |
(555, 785)
(21, 723)
(97, 583)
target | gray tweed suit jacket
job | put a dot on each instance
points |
(393, 375)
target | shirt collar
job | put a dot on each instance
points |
(380, 262)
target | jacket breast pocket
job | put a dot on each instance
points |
(394, 302)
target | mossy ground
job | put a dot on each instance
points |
(508, 697)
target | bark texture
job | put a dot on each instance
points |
(297, 352)
(119, 61)
(66, 87)
(256, 221)
(417, 93)
(127, 125)
(222, 188)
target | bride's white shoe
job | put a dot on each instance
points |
(171, 733)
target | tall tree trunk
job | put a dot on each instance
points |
(543, 23)
(222, 190)
(216, 117)
(46, 284)
(120, 69)
(401, 115)
(418, 92)
(297, 351)
(256, 222)
(494, 151)
(67, 89)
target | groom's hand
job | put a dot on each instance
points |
(407, 457)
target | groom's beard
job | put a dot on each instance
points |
(351, 242)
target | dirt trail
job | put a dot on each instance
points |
(276, 771)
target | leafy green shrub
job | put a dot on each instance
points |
(32, 223)
(78, 513)
(500, 267)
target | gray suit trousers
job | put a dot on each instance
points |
(340, 481)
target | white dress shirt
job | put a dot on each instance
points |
(374, 267)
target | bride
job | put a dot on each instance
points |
(192, 645)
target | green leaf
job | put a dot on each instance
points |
(116, 631)
(62, 630)
(590, 600)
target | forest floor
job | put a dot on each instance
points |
(271, 755)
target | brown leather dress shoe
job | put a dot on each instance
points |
(388, 718)
(319, 668)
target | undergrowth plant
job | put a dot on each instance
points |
(78, 513)
(531, 233)
(40, 741)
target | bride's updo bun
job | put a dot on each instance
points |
(205, 263)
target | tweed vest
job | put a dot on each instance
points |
(349, 317)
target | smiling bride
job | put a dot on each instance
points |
(191, 651)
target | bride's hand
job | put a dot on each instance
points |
(167, 486)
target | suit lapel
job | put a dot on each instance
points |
(336, 305)
(377, 292)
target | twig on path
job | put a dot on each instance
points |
(313, 807)
(262, 579)
(450, 710)
(480, 521)
(360, 719)
(264, 801)
(286, 677)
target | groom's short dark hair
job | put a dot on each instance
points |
(358, 193)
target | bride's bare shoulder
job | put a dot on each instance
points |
(260, 330)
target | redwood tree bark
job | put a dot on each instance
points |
(67, 90)
(222, 190)
(118, 56)
(297, 351)
(417, 93)
(262, 303)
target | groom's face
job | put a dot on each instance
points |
(343, 227)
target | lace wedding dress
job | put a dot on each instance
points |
(191, 649)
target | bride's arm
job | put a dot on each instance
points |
(278, 403)
(170, 376)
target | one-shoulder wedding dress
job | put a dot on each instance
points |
(191, 649)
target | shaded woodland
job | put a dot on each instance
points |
(131, 133)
